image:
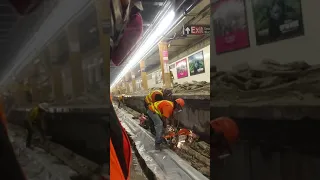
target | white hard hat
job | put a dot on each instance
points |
(44, 106)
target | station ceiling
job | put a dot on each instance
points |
(199, 15)
(8, 18)
(150, 10)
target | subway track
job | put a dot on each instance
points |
(165, 164)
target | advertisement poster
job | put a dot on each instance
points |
(196, 63)
(182, 70)
(277, 20)
(230, 25)
(158, 77)
(165, 62)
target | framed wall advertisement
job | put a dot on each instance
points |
(277, 20)
(230, 25)
(182, 70)
(158, 77)
(196, 63)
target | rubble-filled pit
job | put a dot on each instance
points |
(187, 88)
(272, 89)
(197, 154)
(269, 82)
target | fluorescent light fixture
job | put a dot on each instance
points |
(149, 42)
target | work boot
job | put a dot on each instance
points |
(164, 146)
(158, 147)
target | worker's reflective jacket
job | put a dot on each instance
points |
(120, 150)
(162, 108)
(33, 115)
(150, 98)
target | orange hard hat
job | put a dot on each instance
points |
(180, 101)
(228, 127)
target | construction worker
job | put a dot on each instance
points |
(35, 118)
(152, 97)
(9, 165)
(224, 133)
(157, 95)
(161, 112)
(120, 100)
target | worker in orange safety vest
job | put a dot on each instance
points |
(224, 133)
(152, 97)
(157, 95)
(160, 113)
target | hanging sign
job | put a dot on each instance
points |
(196, 30)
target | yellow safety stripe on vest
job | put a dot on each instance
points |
(150, 95)
(147, 100)
(156, 109)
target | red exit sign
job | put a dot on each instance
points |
(197, 30)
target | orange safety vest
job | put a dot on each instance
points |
(155, 106)
(115, 168)
(120, 151)
(150, 98)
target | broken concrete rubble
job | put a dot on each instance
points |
(269, 82)
(196, 87)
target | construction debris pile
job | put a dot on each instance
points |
(93, 96)
(270, 80)
(197, 154)
(196, 87)
(87, 99)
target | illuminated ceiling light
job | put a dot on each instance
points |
(147, 45)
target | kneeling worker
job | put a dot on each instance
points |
(160, 113)
(35, 118)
